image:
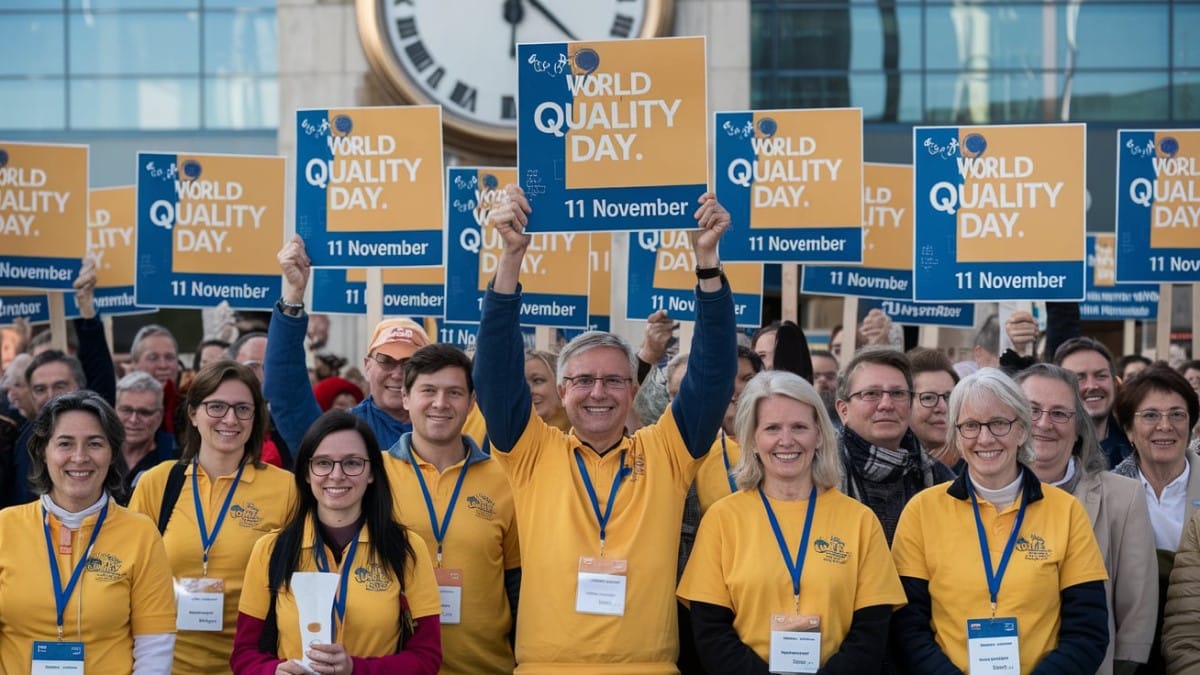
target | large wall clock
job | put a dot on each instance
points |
(462, 53)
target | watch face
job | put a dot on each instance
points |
(462, 53)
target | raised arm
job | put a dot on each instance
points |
(94, 354)
(499, 371)
(285, 380)
(707, 385)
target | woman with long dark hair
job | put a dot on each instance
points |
(387, 608)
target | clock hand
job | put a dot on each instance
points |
(536, 4)
(513, 14)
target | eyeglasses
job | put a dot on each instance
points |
(876, 395)
(385, 362)
(1153, 417)
(351, 466)
(585, 382)
(130, 412)
(997, 427)
(218, 409)
(929, 399)
(1056, 416)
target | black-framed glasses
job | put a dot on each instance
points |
(876, 395)
(128, 412)
(929, 399)
(1056, 416)
(1153, 417)
(351, 466)
(997, 427)
(585, 382)
(385, 362)
(218, 409)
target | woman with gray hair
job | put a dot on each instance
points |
(85, 585)
(1067, 456)
(977, 557)
(788, 574)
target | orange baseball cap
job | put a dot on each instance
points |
(398, 338)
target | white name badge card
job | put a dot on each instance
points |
(992, 646)
(57, 658)
(200, 604)
(450, 586)
(601, 588)
(795, 643)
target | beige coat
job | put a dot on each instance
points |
(1181, 621)
(1121, 522)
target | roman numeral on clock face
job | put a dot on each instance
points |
(464, 96)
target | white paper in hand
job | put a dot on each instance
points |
(315, 593)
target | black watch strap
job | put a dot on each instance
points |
(708, 272)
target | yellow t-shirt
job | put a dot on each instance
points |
(264, 500)
(712, 480)
(475, 427)
(481, 541)
(736, 563)
(558, 525)
(125, 589)
(372, 622)
(937, 540)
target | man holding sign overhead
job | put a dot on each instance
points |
(598, 509)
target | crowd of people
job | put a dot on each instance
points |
(736, 508)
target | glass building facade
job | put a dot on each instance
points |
(981, 62)
(145, 65)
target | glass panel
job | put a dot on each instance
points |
(885, 40)
(142, 44)
(1187, 95)
(240, 42)
(762, 91)
(1186, 25)
(43, 104)
(762, 39)
(982, 98)
(241, 103)
(1120, 97)
(983, 38)
(816, 39)
(91, 5)
(32, 44)
(812, 91)
(1104, 36)
(887, 97)
(33, 4)
(235, 4)
(151, 103)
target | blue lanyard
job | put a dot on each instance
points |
(440, 533)
(795, 569)
(994, 578)
(208, 538)
(725, 459)
(339, 605)
(62, 595)
(602, 518)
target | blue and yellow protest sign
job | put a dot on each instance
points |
(999, 212)
(600, 283)
(612, 135)
(554, 273)
(411, 292)
(792, 181)
(662, 275)
(369, 186)
(950, 314)
(1108, 300)
(34, 307)
(1158, 206)
(43, 214)
(886, 270)
(112, 223)
(207, 229)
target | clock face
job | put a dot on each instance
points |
(462, 53)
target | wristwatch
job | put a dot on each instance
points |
(290, 308)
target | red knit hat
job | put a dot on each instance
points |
(330, 388)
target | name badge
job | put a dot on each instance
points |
(992, 646)
(57, 658)
(601, 586)
(795, 643)
(200, 604)
(450, 586)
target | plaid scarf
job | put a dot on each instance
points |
(884, 479)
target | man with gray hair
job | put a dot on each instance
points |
(599, 509)
(883, 464)
(140, 409)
